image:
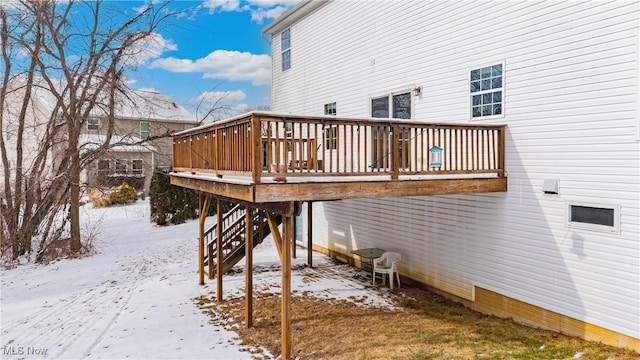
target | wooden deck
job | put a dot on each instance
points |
(264, 157)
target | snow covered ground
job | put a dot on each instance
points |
(134, 299)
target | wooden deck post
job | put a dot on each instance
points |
(286, 288)
(256, 149)
(395, 152)
(219, 250)
(204, 206)
(293, 238)
(310, 233)
(501, 155)
(248, 269)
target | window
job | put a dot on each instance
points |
(594, 217)
(486, 88)
(331, 138)
(380, 107)
(93, 124)
(330, 109)
(285, 49)
(145, 129)
(136, 166)
(401, 106)
(103, 166)
(121, 166)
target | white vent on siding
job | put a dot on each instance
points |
(550, 186)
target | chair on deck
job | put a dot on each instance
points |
(387, 264)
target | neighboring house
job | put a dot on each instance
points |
(561, 248)
(139, 115)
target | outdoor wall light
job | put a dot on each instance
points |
(417, 91)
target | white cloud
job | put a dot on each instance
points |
(150, 47)
(259, 9)
(220, 96)
(260, 14)
(221, 5)
(223, 64)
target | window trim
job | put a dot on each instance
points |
(133, 167)
(502, 89)
(286, 50)
(148, 130)
(389, 96)
(330, 106)
(92, 126)
(594, 227)
(107, 170)
(118, 162)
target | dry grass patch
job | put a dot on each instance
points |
(423, 326)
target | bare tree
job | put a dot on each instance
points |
(80, 64)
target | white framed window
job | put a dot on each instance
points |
(395, 105)
(596, 217)
(285, 49)
(136, 166)
(331, 138)
(121, 166)
(330, 109)
(93, 124)
(486, 91)
(145, 129)
(104, 166)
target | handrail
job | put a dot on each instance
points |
(231, 233)
(262, 144)
(229, 218)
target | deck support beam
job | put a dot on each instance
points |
(310, 234)
(286, 287)
(248, 270)
(275, 233)
(219, 250)
(293, 239)
(204, 202)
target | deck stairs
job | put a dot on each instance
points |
(233, 238)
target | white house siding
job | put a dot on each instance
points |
(571, 106)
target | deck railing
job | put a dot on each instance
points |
(267, 145)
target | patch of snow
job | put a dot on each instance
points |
(135, 298)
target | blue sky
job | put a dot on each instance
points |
(213, 51)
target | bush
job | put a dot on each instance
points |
(100, 197)
(169, 202)
(175, 203)
(125, 193)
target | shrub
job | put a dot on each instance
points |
(125, 193)
(172, 203)
(100, 197)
